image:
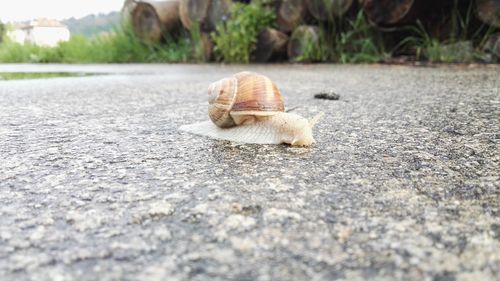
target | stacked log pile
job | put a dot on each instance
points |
(271, 43)
(298, 21)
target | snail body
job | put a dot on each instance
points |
(248, 108)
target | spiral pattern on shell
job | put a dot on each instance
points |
(245, 94)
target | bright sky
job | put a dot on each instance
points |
(21, 10)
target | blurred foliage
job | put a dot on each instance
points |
(351, 39)
(345, 41)
(39, 75)
(119, 46)
(15, 52)
(359, 42)
(198, 51)
(464, 41)
(235, 39)
(3, 31)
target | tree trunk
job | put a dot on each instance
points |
(290, 14)
(152, 20)
(327, 10)
(206, 13)
(270, 43)
(489, 11)
(304, 40)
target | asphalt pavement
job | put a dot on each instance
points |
(98, 183)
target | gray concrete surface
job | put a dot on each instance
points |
(97, 183)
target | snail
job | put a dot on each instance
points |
(248, 107)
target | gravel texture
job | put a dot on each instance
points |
(97, 183)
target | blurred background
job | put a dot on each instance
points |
(229, 31)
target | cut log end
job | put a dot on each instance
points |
(152, 20)
(290, 14)
(128, 8)
(488, 11)
(146, 23)
(193, 12)
(270, 43)
(219, 11)
(388, 13)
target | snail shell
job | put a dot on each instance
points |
(243, 99)
(248, 108)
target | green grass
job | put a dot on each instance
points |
(344, 40)
(120, 46)
(463, 49)
(40, 75)
(464, 43)
(313, 45)
(359, 42)
(14, 52)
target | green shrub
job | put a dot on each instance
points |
(451, 50)
(464, 42)
(358, 43)
(122, 46)
(3, 31)
(345, 41)
(77, 50)
(14, 52)
(235, 39)
(313, 44)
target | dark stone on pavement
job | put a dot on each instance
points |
(327, 96)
